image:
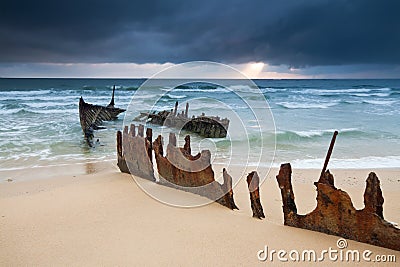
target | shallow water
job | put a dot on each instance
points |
(39, 121)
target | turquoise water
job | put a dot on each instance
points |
(39, 121)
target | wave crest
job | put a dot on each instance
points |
(302, 105)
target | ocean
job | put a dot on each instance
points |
(39, 120)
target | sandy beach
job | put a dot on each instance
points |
(101, 217)
(91, 91)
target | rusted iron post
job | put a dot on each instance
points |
(176, 108)
(328, 155)
(172, 139)
(253, 182)
(158, 146)
(119, 143)
(187, 110)
(111, 105)
(120, 156)
(373, 199)
(132, 131)
(227, 188)
(149, 143)
(187, 147)
(141, 130)
(285, 184)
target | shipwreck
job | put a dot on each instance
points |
(335, 213)
(253, 182)
(177, 168)
(207, 126)
(92, 116)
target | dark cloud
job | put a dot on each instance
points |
(296, 33)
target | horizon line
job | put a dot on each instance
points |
(196, 78)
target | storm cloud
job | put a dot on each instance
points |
(294, 33)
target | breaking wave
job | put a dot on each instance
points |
(343, 163)
(297, 105)
(175, 96)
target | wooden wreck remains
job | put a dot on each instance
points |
(178, 168)
(207, 126)
(92, 116)
(335, 213)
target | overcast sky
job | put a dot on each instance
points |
(271, 39)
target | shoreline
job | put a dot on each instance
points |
(104, 218)
(94, 166)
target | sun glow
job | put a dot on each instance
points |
(253, 69)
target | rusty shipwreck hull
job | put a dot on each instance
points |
(178, 168)
(134, 152)
(92, 116)
(207, 126)
(335, 213)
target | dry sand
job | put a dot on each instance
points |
(103, 218)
